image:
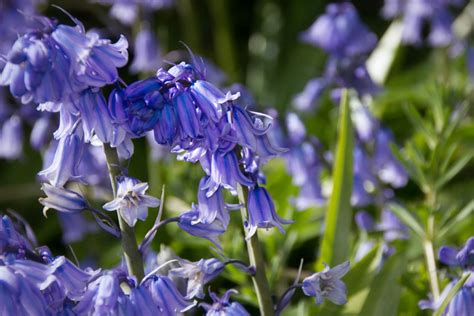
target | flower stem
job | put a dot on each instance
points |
(256, 259)
(430, 258)
(133, 258)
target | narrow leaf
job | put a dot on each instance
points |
(335, 241)
(454, 170)
(451, 294)
(463, 214)
(407, 218)
(385, 289)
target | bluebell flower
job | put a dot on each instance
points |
(327, 284)
(223, 307)
(94, 60)
(213, 206)
(19, 296)
(11, 138)
(389, 169)
(10, 238)
(261, 212)
(146, 50)
(340, 32)
(364, 180)
(225, 172)
(365, 124)
(37, 68)
(296, 129)
(126, 11)
(416, 14)
(197, 274)
(140, 299)
(41, 132)
(131, 202)
(462, 303)
(364, 221)
(61, 199)
(96, 119)
(64, 166)
(189, 222)
(104, 296)
(308, 99)
(166, 296)
(463, 257)
(72, 280)
(392, 226)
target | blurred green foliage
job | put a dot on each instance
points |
(256, 43)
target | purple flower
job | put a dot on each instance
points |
(211, 207)
(223, 307)
(388, 167)
(95, 60)
(37, 68)
(327, 284)
(11, 138)
(65, 163)
(166, 296)
(365, 124)
(225, 172)
(19, 296)
(189, 222)
(198, 274)
(463, 257)
(462, 303)
(417, 13)
(104, 296)
(131, 202)
(392, 227)
(72, 280)
(10, 239)
(147, 51)
(340, 32)
(62, 200)
(262, 212)
(364, 221)
(307, 100)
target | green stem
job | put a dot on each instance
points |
(256, 259)
(133, 257)
(430, 258)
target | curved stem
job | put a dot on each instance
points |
(133, 258)
(256, 259)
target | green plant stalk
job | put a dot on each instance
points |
(256, 259)
(133, 257)
(430, 258)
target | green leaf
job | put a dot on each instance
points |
(335, 241)
(463, 214)
(451, 294)
(454, 170)
(385, 290)
(407, 218)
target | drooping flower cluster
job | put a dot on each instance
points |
(341, 34)
(34, 282)
(418, 13)
(202, 124)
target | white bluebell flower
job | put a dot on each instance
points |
(131, 202)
